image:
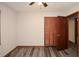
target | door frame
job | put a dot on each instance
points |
(76, 29)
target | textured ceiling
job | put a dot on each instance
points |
(52, 6)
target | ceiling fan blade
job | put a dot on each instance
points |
(31, 3)
(45, 4)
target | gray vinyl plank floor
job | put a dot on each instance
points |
(42, 52)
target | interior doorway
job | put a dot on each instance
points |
(73, 32)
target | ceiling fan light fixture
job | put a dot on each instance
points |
(40, 3)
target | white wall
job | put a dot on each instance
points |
(8, 30)
(30, 28)
(71, 30)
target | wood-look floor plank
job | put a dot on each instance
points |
(47, 52)
(56, 52)
(62, 53)
(28, 52)
(20, 53)
(35, 52)
(52, 52)
(42, 52)
(32, 51)
(13, 53)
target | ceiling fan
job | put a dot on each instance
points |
(39, 3)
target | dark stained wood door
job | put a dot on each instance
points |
(49, 29)
(56, 32)
(62, 33)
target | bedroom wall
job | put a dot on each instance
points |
(30, 27)
(8, 30)
(71, 30)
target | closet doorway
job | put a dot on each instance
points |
(56, 32)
